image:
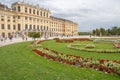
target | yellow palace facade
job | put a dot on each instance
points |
(22, 18)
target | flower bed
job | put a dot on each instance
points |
(72, 46)
(82, 39)
(40, 41)
(32, 42)
(112, 67)
(65, 40)
(116, 45)
(105, 41)
(90, 46)
(71, 40)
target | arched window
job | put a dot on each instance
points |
(41, 28)
(38, 27)
(47, 27)
(26, 9)
(47, 15)
(8, 26)
(19, 9)
(30, 27)
(9, 34)
(44, 14)
(33, 11)
(41, 13)
(30, 10)
(19, 27)
(44, 27)
(14, 27)
(3, 34)
(37, 12)
(34, 27)
(26, 26)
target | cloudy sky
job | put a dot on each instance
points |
(89, 14)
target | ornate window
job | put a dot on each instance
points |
(19, 9)
(8, 26)
(2, 26)
(26, 26)
(25, 9)
(19, 27)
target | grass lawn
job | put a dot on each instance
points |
(18, 62)
(62, 47)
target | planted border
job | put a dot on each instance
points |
(107, 66)
(71, 40)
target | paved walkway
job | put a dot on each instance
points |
(18, 40)
(14, 40)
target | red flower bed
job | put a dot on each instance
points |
(82, 39)
(40, 41)
(71, 40)
(116, 45)
(65, 40)
(32, 42)
(79, 61)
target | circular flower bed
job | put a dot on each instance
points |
(106, 40)
(73, 46)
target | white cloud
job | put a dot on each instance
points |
(89, 14)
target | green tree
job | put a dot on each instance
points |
(102, 32)
(94, 32)
(34, 35)
(84, 33)
(119, 31)
(114, 30)
(97, 32)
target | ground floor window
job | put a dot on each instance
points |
(19, 27)
(3, 34)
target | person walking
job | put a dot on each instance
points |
(22, 37)
(10, 37)
(26, 38)
(5, 39)
(1, 38)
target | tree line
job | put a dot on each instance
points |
(84, 33)
(114, 31)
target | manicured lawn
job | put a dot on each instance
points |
(102, 46)
(18, 62)
(62, 47)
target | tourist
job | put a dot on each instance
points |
(26, 38)
(22, 37)
(1, 38)
(10, 37)
(5, 39)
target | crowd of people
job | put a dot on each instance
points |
(10, 39)
(3, 39)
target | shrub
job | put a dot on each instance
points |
(56, 39)
(90, 46)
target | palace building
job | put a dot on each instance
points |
(23, 17)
